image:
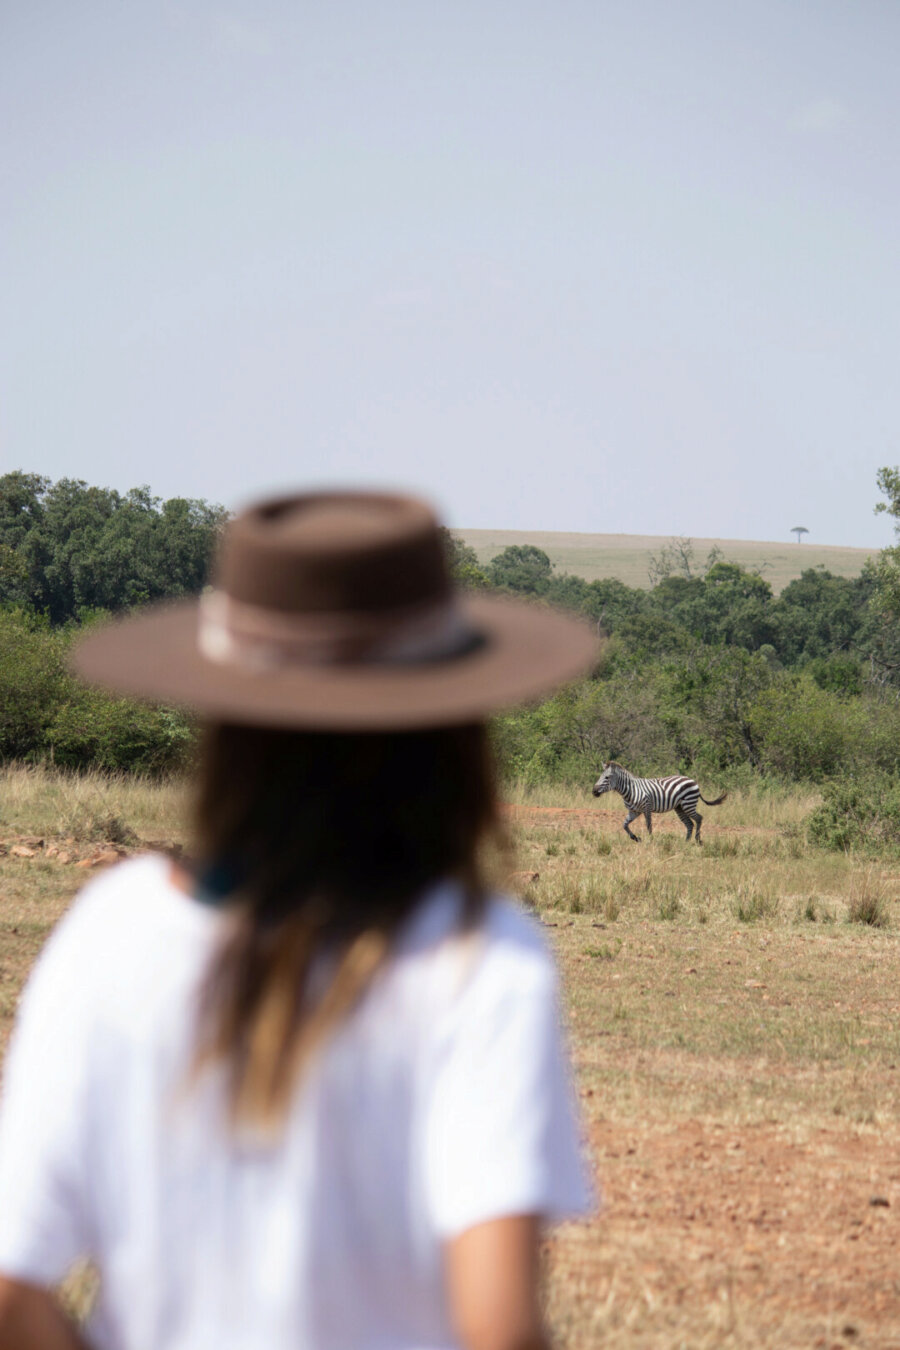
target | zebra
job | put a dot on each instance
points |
(642, 796)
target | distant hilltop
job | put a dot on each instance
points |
(628, 556)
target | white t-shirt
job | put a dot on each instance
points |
(443, 1101)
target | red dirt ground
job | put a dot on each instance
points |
(699, 1213)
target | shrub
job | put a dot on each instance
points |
(752, 906)
(568, 738)
(33, 679)
(45, 713)
(800, 730)
(870, 908)
(857, 813)
(111, 733)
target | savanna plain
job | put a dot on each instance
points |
(733, 1015)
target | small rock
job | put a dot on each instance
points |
(110, 855)
(754, 984)
(103, 858)
(22, 851)
(64, 856)
(167, 846)
(879, 1202)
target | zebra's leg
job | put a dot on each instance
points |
(685, 820)
(632, 815)
(647, 817)
(698, 821)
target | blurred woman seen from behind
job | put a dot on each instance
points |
(309, 1090)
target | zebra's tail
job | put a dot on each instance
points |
(718, 801)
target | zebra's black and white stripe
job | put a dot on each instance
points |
(643, 796)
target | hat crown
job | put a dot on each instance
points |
(335, 610)
(332, 552)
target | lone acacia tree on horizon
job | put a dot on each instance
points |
(799, 531)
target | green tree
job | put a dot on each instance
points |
(521, 567)
(726, 605)
(33, 682)
(882, 635)
(80, 548)
(462, 559)
(706, 697)
(800, 730)
(818, 614)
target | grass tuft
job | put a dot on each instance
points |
(752, 906)
(816, 911)
(118, 808)
(868, 902)
(668, 908)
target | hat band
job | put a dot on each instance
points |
(234, 633)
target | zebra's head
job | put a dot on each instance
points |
(607, 780)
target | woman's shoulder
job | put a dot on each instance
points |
(515, 944)
(120, 925)
(507, 921)
(132, 895)
(505, 955)
(504, 926)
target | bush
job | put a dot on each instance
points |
(568, 738)
(857, 814)
(91, 729)
(45, 713)
(33, 679)
(800, 730)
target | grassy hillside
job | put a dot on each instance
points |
(626, 556)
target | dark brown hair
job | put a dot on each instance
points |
(320, 845)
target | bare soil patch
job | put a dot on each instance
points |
(735, 1236)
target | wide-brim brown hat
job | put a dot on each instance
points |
(335, 611)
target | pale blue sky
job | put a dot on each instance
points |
(626, 267)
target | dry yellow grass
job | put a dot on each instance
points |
(35, 799)
(627, 556)
(733, 1012)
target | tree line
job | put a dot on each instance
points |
(704, 671)
(708, 672)
(72, 554)
(68, 550)
(837, 627)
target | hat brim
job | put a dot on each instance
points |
(525, 651)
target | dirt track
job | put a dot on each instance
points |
(747, 1226)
